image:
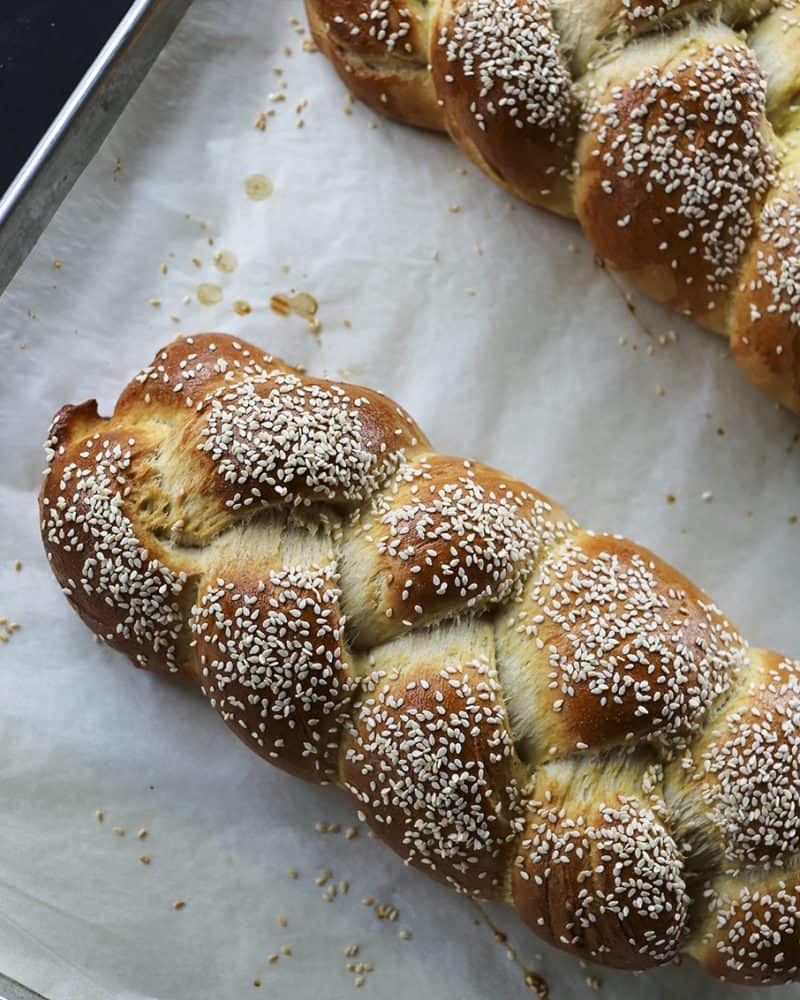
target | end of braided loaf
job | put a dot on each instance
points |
(670, 130)
(520, 708)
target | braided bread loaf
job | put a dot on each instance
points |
(670, 129)
(521, 708)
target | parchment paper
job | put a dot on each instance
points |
(511, 355)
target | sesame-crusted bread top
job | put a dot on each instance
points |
(739, 783)
(597, 871)
(609, 643)
(430, 757)
(380, 49)
(376, 29)
(521, 708)
(749, 929)
(444, 535)
(661, 125)
(676, 159)
(767, 307)
(506, 92)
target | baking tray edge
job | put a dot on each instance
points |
(80, 127)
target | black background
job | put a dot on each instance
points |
(45, 48)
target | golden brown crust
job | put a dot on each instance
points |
(669, 180)
(248, 526)
(376, 31)
(507, 94)
(181, 375)
(379, 50)
(750, 930)
(271, 660)
(740, 782)
(444, 536)
(430, 762)
(597, 873)
(116, 576)
(654, 123)
(765, 327)
(610, 643)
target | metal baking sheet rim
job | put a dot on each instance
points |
(80, 127)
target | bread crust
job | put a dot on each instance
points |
(670, 130)
(520, 708)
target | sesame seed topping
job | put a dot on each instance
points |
(570, 720)
(691, 135)
(512, 49)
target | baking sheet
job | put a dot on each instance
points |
(518, 351)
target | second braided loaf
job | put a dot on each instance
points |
(671, 130)
(521, 708)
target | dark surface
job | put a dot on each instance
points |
(45, 48)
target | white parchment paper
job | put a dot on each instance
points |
(511, 355)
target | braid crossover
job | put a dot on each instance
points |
(521, 708)
(670, 130)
